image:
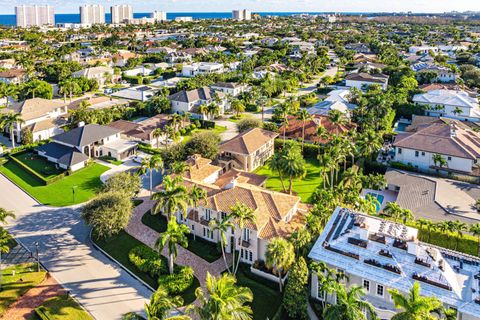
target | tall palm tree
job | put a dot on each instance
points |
(172, 197)
(277, 163)
(4, 248)
(148, 165)
(431, 226)
(222, 226)
(349, 305)
(161, 304)
(68, 87)
(178, 167)
(393, 210)
(156, 134)
(406, 216)
(325, 161)
(203, 110)
(303, 116)
(241, 215)
(4, 214)
(414, 305)
(459, 228)
(9, 121)
(223, 299)
(197, 194)
(213, 110)
(284, 114)
(475, 231)
(294, 165)
(280, 254)
(175, 235)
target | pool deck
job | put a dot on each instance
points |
(389, 196)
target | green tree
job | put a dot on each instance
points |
(108, 213)
(161, 304)
(9, 121)
(414, 305)
(4, 214)
(280, 255)
(277, 163)
(475, 231)
(303, 116)
(172, 197)
(294, 166)
(241, 215)
(237, 106)
(349, 305)
(439, 160)
(203, 143)
(223, 299)
(176, 234)
(148, 166)
(222, 226)
(127, 182)
(296, 297)
(197, 194)
(156, 134)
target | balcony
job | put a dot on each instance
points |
(204, 221)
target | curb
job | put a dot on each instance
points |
(28, 194)
(119, 264)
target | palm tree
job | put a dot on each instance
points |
(440, 160)
(303, 116)
(277, 163)
(178, 167)
(7, 91)
(457, 111)
(280, 255)
(393, 210)
(475, 231)
(161, 304)
(150, 164)
(326, 163)
(238, 107)
(459, 228)
(294, 165)
(241, 214)
(4, 214)
(213, 110)
(431, 226)
(69, 87)
(197, 194)
(203, 110)
(284, 121)
(222, 226)
(223, 299)
(406, 216)
(414, 305)
(349, 305)
(172, 197)
(370, 204)
(4, 248)
(156, 134)
(9, 121)
(175, 235)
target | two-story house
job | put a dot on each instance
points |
(379, 255)
(364, 80)
(276, 214)
(72, 149)
(191, 70)
(101, 74)
(45, 118)
(233, 89)
(449, 103)
(189, 101)
(455, 142)
(248, 150)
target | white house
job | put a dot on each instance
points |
(139, 71)
(230, 88)
(100, 74)
(140, 93)
(422, 49)
(379, 255)
(444, 74)
(449, 103)
(189, 101)
(191, 70)
(362, 80)
(455, 142)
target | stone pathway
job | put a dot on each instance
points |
(24, 307)
(185, 257)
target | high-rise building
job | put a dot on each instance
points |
(158, 16)
(29, 16)
(121, 13)
(242, 14)
(92, 14)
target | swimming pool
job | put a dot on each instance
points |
(380, 198)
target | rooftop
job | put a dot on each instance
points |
(248, 142)
(447, 97)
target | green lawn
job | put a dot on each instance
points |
(266, 297)
(14, 286)
(111, 160)
(85, 182)
(217, 129)
(205, 249)
(118, 248)
(468, 244)
(303, 187)
(63, 308)
(38, 164)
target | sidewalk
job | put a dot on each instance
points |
(24, 307)
(185, 258)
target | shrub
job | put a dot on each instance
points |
(248, 123)
(403, 166)
(203, 143)
(270, 126)
(179, 281)
(147, 260)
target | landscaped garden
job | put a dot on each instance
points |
(206, 250)
(16, 281)
(124, 248)
(61, 307)
(38, 164)
(76, 188)
(303, 187)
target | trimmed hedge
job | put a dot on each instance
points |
(403, 166)
(178, 282)
(44, 181)
(147, 260)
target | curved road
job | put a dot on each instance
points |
(103, 288)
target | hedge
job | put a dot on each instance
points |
(403, 166)
(44, 181)
(43, 313)
(179, 281)
(147, 260)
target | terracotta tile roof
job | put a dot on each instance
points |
(248, 142)
(240, 176)
(200, 168)
(34, 108)
(294, 128)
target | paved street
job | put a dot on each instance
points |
(104, 289)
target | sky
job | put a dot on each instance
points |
(430, 6)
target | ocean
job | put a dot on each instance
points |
(9, 19)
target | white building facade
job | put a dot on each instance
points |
(34, 16)
(121, 13)
(92, 14)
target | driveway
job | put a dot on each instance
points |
(101, 286)
(130, 165)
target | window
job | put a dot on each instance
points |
(250, 256)
(246, 235)
(399, 150)
(193, 227)
(223, 215)
(207, 214)
(423, 153)
(379, 290)
(366, 285)
(241, 253)
(321, 295)
(416, 153)
(449, 158)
